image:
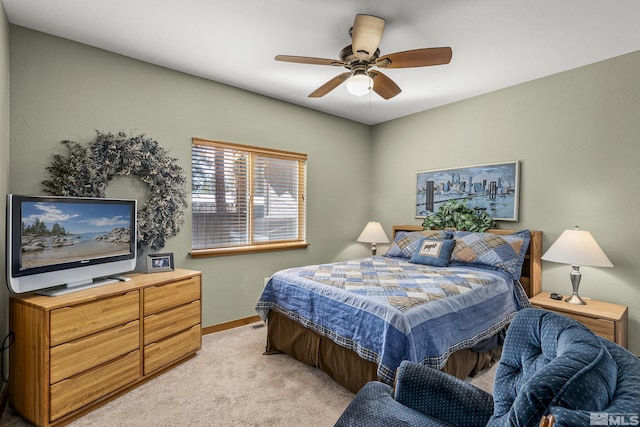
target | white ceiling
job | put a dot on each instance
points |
(496, 43)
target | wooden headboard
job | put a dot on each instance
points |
(531, 278)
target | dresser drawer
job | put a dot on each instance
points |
(164, 352)
(602, 327)
(76, 392)
(76, 356)
(161, 325)
(164, 297)
(70, 323)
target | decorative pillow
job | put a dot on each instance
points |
(405, 243)
(504, 252)
(434, 252)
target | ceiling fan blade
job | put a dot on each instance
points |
(330, 85)
(308, 60)
(383, 85)
(416, 58)
(366, 35)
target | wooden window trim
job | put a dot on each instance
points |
(237, 250)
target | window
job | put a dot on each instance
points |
(246, 199)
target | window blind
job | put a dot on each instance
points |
(246, 198)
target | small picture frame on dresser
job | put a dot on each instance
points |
(159, 262)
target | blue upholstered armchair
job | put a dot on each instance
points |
(551, 367)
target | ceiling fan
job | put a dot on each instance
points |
(363, 54)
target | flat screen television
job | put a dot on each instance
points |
(57, 245)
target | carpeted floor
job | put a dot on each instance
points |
(230, 383)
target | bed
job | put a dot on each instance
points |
(356, 320)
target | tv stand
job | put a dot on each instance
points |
(80, 350)
(74, 287)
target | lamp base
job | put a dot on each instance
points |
(575, 299)
(575, 276)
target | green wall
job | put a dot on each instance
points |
(577, 136)
(64, 90)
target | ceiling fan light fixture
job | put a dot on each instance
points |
(359, 84)
(357, 58)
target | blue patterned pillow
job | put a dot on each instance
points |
(434, 252)
(405, 243)
(504, 252)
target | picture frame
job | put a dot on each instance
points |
(493, 187)
(159, 262)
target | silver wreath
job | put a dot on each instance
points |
(86, 172)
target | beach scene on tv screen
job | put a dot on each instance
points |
(56, 232)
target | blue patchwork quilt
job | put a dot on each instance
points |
(388, 310)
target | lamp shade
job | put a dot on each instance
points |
(359, 84)
(373, 233)
(577, 247)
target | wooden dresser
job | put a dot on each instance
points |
(75, 352)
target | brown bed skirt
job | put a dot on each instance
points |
(287, 336)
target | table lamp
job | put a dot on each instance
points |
(373, 233)
(576, 247)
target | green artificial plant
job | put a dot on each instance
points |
(456, 214)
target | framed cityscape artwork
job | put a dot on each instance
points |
(492, 188)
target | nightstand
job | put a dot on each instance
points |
(608, 320)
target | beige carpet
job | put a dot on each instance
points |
(230, 383)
